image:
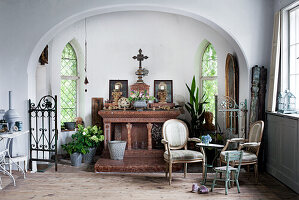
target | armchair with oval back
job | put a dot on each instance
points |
(175, 135)
(251, 146)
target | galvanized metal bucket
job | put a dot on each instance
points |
(88, 158)
(117, 149)
(76, 159)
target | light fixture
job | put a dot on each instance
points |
(85, 64)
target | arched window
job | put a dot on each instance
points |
(209, 77)
(69, 78)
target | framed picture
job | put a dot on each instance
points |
(120, 85)
(163, 85)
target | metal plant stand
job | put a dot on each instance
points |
(43, 130)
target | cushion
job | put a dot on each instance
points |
(223, 168)
(183, 155)
(247, 156)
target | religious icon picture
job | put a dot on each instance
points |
(118, 88)
(163, 91)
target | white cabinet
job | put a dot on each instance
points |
(282, 151)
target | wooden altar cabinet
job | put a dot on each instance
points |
(131, 117)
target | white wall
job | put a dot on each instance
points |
(27, 26)
(171, 42)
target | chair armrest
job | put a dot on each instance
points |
(250, 144)
(237, 140)
(167, 147)
(163, 141)
(194, 140)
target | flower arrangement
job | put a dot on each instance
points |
(93, 135)
(206, 139)
(140, 96)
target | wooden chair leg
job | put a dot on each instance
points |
(256, 172)
(166, 169)
(170, 172)
(203, 170)
(185, 170)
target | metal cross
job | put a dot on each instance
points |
(140, 57)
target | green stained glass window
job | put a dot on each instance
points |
(209, 62)
(209, 77)
(69, 77)
(210, 88)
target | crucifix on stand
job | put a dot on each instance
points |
(141, 71)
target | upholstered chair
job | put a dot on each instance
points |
(175, 137)
(251, 146)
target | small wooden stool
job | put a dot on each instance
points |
(17, 160)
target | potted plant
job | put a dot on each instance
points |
(195, 109)
(140, 99)
(92, 137)
(75, 148)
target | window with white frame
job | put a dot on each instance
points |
(209, 77)
(69, 79)
(293, 47)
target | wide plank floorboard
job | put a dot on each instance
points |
(71, 183)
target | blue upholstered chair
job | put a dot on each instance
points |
(230, 157)
(175, 137)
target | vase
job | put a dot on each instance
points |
(140, 105)
(76, 159)
(117, 149)
(88, 158)
(11, 116)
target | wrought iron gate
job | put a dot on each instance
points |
(43, 130)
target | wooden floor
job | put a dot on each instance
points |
(72, 183)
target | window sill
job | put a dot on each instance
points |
(291, 116)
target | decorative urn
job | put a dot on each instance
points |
(11, 116)
(140, 104)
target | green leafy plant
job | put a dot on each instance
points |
(92, 135)
(195, 109)
(84, 139)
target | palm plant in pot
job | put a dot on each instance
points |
(195, 109)
(92, 138)
(75, 149)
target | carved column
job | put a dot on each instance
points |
(262, 94)
(129, 127)
(107, 134)
(149, 136)
(254, 93)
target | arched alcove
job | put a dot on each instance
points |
(102, 10)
